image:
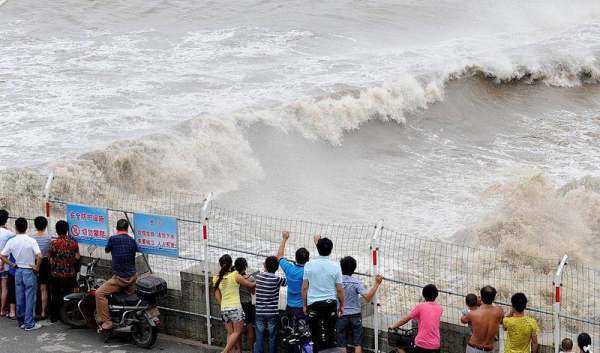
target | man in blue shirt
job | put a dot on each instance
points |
(294, 272)
(322, 290)
(123, 248)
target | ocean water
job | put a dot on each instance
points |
(452, 118)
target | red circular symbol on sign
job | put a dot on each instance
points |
(75, 230)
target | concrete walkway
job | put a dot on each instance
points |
(58, 338)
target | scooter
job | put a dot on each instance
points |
(135, 315)
(297, 336)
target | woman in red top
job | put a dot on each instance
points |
(64, 257)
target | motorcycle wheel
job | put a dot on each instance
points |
(144, 335)
(71, 316)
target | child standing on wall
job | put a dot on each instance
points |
(351, 321)
(267, 304)
(227, 292)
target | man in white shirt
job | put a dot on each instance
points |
(27, 255)
(5, 235)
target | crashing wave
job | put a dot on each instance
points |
(536, 219)
(212, 153)
(330, 117)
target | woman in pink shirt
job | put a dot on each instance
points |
(428, 314)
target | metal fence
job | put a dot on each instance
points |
(408, 263)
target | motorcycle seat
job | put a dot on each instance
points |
(123, 299)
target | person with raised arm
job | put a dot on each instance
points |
(294, 273)
(350, 324)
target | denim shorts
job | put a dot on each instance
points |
(232, 315)
(350, 324)
(3, 274)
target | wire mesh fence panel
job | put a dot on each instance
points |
(182, 272)
(21, 193)
(409, 263)
(580, 302)
(257, 236)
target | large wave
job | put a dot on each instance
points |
(212, 154)
(329, 118)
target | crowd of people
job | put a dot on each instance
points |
(320, 292)
(36, 270)
(327, 296)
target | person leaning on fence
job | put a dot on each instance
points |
(123, 249)
(241, 265)
(64, 256)
(8, 296)
(584, 342)
(27, 258)
(323, 295)
(351, 321)
(294, 272)
(484, 321)
(227, 292)
(267, 304)
(522, 331)
(43, 240)
(428, 315)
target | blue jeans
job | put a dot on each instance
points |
(26, 290)
(269, 323)
(349, 324)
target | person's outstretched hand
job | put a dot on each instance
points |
(316, 238)
(285, 235)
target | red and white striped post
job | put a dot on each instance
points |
(556, 306)
(374, 272)
(47, 194)
(204, 218)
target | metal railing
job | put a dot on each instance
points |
(563, 298)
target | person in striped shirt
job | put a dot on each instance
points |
(267, 304)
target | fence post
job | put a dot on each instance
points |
(204, 217)
(47, 187)
(374, 271)
(557, 282)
